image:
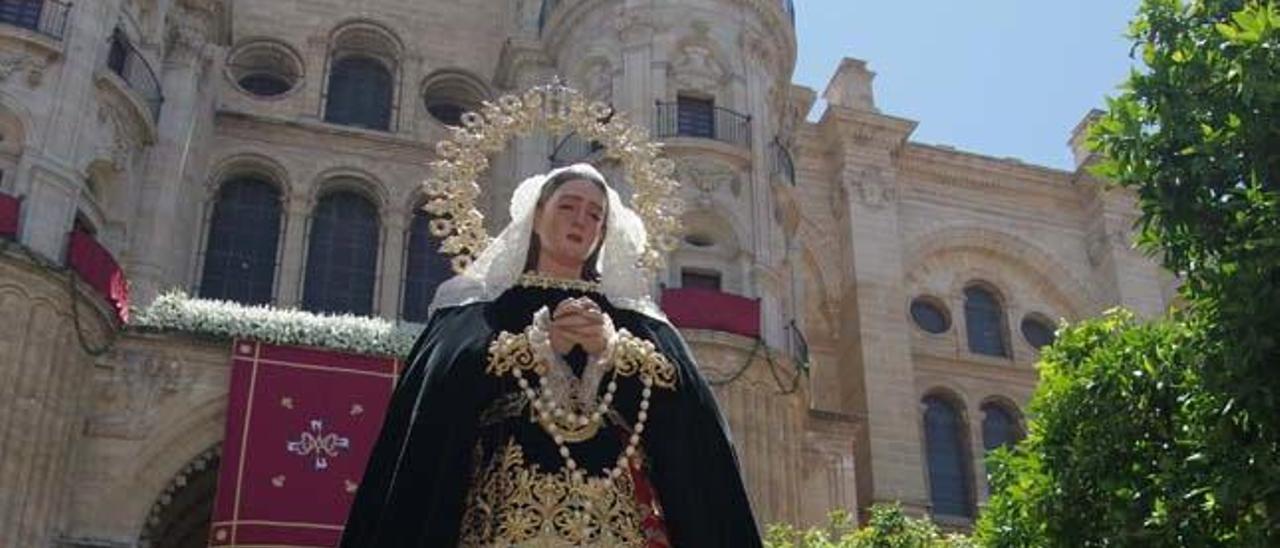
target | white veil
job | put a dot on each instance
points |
(500, 265)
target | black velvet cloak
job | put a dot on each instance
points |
(415, 485)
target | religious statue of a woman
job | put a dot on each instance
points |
(548, 401)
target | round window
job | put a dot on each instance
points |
(929, 315)
(1037, 331)
(264, 68)
(265, 84)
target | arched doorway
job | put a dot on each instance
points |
(180, 516)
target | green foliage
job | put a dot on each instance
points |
(1168, 433)
(887, 527)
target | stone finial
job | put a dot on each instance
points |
(1079, 135)
(851, 86)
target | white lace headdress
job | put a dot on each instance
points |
(502, 262)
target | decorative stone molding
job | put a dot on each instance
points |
(206, 462)
(16, 62)
(696, 68)
(131, 389)
(872, 187)
(709, 176)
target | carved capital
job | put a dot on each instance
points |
(130, 388)
(22, 62)
(872, 187)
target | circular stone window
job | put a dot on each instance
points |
(264, 69)
(929, 315)
(1038, 331)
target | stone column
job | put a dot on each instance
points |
(392, 265)
(643, 83)
(47, 212)
(158, 264)
(289, 292)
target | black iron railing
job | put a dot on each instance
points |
(125, 60)
(697, 119)
(781, 162)
(47, 17)
(799, 346)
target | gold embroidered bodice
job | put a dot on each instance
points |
(516, 502)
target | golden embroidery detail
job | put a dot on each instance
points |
(547, 282)
(632, 356)
(514, 503)
(635, 356)
(513, 351)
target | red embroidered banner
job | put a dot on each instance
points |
(301, 424)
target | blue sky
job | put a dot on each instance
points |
(996, 77)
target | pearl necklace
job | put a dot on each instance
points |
(546, 410)
(574, 424)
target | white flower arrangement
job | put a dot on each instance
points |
(176, 311)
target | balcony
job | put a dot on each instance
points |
(697, 308)
(10, 212)
(47, 17)
(127, 62)
(701, 119)
(95, 265)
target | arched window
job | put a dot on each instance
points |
(240, 252)
(984, 321)
(999, 427)
(949, 485)
(448, 93)
(342, 255)
(360, 93)
(425, 268)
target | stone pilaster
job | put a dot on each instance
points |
(157, 264)
(43, 374)
(879, 375)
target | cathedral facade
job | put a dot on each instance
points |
(889, 297)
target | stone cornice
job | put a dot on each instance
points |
(984, 173)
(862, 128)
(306, 131)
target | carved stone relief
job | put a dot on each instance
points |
(130, 388)
(873, 187)
(708, 177)
(15, 62)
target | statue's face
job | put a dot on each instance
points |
(570, 222)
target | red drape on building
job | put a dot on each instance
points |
(99, 269)
(301, 424)
(696, 308)
(10, 208)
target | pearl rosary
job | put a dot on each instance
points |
(547, 410)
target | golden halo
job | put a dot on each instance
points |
(557, 108)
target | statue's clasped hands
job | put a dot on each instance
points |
(580, 321)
